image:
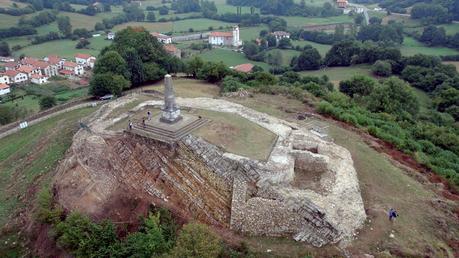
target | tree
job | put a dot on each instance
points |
(359, 19)
(64, 25)
(47, 102)
(309, 59)
(272, 41)
(395, 97)
(153, 72)
(274, 57)
(107, 83)
(111, 62)
(197, 241)
(135, 66)
(357, 85)
(433, 36)
(375, 20)
(194, 65)
(4, 49)
(163, 10)
(342, 53)
(213, 72)
(151, 16)
(82, 43)
(382, 68)
(285, 43)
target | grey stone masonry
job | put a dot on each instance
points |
(170, 110)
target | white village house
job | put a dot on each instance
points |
(85, 60)
(4, 89)
(111, 36)
(281, 35)
(4, 79)
(162, 38)
(16, 77)
(71, 69)
(38, 79)
(230, 38)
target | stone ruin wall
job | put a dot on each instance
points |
(256, 211)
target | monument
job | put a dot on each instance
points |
(170, 111)
(170, 125)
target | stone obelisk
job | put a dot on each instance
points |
(170, 110)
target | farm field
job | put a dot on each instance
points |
(250, 33)
(337, 74)
(287, 55)
(9, 3)
(162, 27)
(322, 48)
(412, 47)
(64, 48)
(8, 21)
(201, 24)
(299, 21)
(82, 21)
(230, 58)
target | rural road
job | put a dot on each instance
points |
(365, 11)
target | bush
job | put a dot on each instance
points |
(47, 102)
(382, 68)
(197, 241)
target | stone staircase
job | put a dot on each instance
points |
(164, 135)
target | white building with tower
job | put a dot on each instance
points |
(227, 38)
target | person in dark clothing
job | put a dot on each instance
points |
(392, 214)
(143, 122)
(130, 125)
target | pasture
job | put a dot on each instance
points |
(287, 55)
(412, 47)
(251, 33)
(299, 21)
(322, 48)
(230, 58)
(64, 48)
(337, 74)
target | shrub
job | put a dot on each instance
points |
(47, 102)
(197, 241)
(382, 68)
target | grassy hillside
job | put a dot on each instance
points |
(230, 58)
(39, 148)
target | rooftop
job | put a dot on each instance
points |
(221, 34)
(70, 64)
(82, 56)
(244, 68)
(4, 86)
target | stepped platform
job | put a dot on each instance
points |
(168, 133)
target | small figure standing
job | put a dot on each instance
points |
(130, 125)
(149, 115)
(143, 121)
(392, 214)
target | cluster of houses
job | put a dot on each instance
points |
(38, 71)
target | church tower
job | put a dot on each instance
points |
(236, 41)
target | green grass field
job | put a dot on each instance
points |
(7, 21)
(287, 55)
(9, 3)
(251, 33)
(299, 21)
(451, 29)
(230, 58)
(63, 48)
(337, 74)
(39, 148)
(81, 20)
(201, 24)
(322, 48)
(150, 26)
(411, 47)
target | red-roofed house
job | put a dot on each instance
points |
(244, 68)
(42, 67)
(4, 79)
(28, 69)
(16, 77)
(84, 59)
(10, 66)
(342, 3)
(162, 38)
(4, 89)
(173, 50)
(54, 61)
(72, 67)
(230, 38)
(38, 79)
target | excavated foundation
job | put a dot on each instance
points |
(307, 189)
